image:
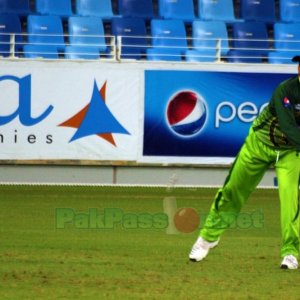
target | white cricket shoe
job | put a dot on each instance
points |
(289, 262)
(201, 248)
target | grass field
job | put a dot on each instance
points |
(41, 261)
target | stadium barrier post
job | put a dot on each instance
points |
(12, 45)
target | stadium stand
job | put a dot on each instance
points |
(216, 10)
(168, 40)
(205, 38)
(289, 10)
(131, 23)
(286, 42)
(258, 10)
(46, 30)
(87, 32)
(180, 9)
(10, 24)
(62, 8)
(95, 8)
(136, 8)
(249, 43)
(19, 7)
(132, 32)
(40, 51)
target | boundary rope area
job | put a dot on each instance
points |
(117, 185)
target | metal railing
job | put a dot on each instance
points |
(38, 46)
(145, 48)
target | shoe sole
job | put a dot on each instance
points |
(197, 260)
(285, 267)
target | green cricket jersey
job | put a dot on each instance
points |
(278, 125)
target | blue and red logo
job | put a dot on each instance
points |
(186, 113)
(95, 119)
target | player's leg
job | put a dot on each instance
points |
(288, 171)
(245, 174)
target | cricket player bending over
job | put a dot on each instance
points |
(273, 139)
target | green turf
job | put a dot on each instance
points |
(39, 261)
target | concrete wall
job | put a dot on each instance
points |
(129, 175)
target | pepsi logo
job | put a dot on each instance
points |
(186, 113)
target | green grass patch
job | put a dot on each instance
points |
(41, 261)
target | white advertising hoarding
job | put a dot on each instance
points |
(68, 111)
(110, 111)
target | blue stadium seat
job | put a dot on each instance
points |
(95, 8)
(19, 7)
(216, 10)
(289, 10)
(62, 8)
(136, 8)
(10, 23)
(206, 35)
(40, 51)
(286, 42)
(87, 31)
(287, 36)
(179, 9)
(45, 30)
(130, 29)
(250, 39)
(167, 36)
(258, 10)
(81, 52)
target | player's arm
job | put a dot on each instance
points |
(286, 118)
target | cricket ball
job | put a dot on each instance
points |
(186, 220)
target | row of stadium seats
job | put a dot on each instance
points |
(249, 43)
(249, 10)
(168, 39)
(46, 38)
